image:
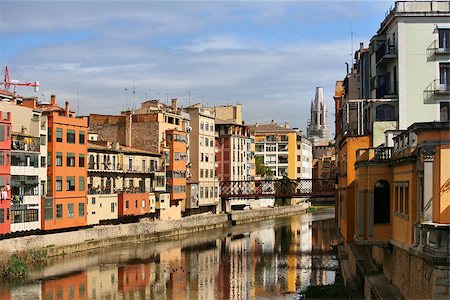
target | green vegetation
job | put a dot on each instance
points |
(261, 168)
(16, 267)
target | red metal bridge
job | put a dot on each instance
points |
(274, 188)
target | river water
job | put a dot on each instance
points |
(273, 259)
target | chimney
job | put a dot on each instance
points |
(53, 100)
(174, 104)
(361, 47)
(67, 109)
(286, 125)
(128, 121)
(273, 122)
(256, 125)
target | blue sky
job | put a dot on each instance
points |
(267, 55)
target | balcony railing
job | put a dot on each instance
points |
(385, 52)
(434, 48)
(434, 238)
(378, 154)
(124, 168)
(25, 143)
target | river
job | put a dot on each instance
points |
(273, 259)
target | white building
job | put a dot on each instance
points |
(202, 167)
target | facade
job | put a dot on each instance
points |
(114, 169)
(28, 166)
(392, 143)
(410, 62)
(176, 161)
(318, 130)
(5, 171)
(202, 155)
(276, 148)
(304, 162)
(65, 202)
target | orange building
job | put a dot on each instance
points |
(65, 203)
(133, 204)
(176, 158)
(5, 172)
(133, 277)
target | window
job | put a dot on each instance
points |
(211, 142)
(81, 209)
(49, 159)
(59, 135)
(201, 126)
(58, 183)
(444, 39)
(127, 204)
(48, 209)
(201, 173)
(59, 159)
(43, 159)
(70, 183)
(211, 192)
(81, 160)
(2, 133)
(136, 203)
(206, 126)
(70, 210)
(382, 200)
(402, 198)
(206, 192)
(70, 136)
(202, 157)
(2, 215)
(202, 141)
(211, 127)
(201, 192)
(211, 173)
(93, 200)
(59, 211)
(143, 203)
(81, 137)
(444, 77)
(49, 134)
(81, 183)
(112, 207)
(70, 159)
(43, 139)
(385, 112)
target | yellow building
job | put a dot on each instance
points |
(276, 148)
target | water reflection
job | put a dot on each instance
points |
(270, 259)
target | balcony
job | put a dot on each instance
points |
(25, 143)
(379, 154)
(441, 87)
(438, 50)
(385, 90)
(124, 168)
(434, 238)
(385, 54)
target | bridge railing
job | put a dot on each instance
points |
(277, 188)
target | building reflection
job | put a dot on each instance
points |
(266, 262)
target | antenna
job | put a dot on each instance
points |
(134, 95)
(352, 33)
(78, 98)
(126, 98)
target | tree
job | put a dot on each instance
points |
(261, 169)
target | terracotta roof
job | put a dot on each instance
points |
(269, 128)
(8, 93)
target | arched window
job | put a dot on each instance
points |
(382, 202)
(385, 112)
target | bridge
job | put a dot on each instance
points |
(277, 188)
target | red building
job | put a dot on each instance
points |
(5, 172)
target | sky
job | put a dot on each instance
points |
(104, 56)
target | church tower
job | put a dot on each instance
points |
(318, 130)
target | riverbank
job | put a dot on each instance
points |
(146, 230)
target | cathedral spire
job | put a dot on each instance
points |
(318, 131)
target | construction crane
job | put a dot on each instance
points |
(15, 83)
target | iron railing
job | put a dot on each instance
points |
(277, 188)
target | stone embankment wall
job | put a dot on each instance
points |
(146, 230)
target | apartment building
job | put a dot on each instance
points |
(304, 155)
(5, 172)
(64, 204)
(234, 154)
(410, 65)
(276, 148)
(391, 146)
(114, 169)
(202, 156)
(28, 165)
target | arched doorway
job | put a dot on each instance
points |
(382, 202)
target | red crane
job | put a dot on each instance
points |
(8, 82)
